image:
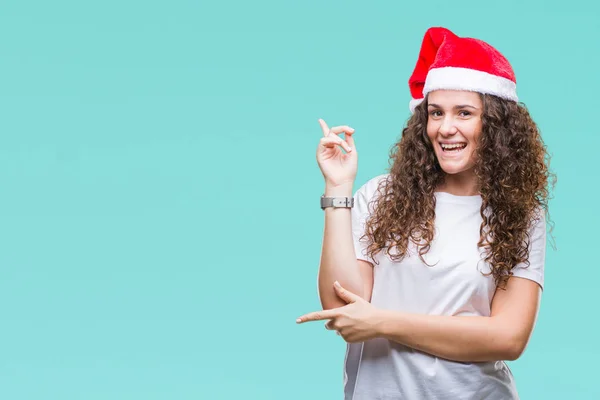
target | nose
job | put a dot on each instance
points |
(447, 127)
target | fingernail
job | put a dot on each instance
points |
(336, 283)
(298, 320)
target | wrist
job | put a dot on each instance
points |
(344, 190)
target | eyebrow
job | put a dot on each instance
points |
(455, 107)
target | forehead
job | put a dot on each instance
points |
(450, 98)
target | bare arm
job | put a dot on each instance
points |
(338, 260)
(501, 336)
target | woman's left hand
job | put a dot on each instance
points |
(356, 322)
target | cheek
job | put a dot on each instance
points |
(471, 131)
(475, 142)
(431, 130)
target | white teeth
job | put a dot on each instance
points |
(453, 146)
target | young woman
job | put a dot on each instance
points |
(433, 271)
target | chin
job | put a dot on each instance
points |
(454, 169)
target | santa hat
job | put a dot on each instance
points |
(447, 61)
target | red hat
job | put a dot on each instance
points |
(447, 61)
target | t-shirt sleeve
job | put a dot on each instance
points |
(360, 212)
(537, 252)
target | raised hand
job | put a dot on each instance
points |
(338, 168)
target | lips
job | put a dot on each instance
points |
(453, 147)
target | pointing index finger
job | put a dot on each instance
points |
(318, 315)
(324, 127)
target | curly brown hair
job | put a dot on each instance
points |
(512, 167)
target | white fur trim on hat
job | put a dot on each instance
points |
(453, 78)
(413, 103)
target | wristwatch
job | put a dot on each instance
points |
(337, 202)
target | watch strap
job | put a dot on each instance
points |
(337, 202)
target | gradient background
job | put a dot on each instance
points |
(159, 220)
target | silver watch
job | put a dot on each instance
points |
(346, 202)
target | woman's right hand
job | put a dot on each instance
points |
(338, 169)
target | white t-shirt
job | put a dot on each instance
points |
(383, 369)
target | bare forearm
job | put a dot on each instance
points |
(338, 260)
(458, 338)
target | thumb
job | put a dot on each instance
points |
(344, 294)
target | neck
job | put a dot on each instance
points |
(460, 185)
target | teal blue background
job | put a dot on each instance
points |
(159, 220)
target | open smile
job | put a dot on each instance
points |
(453, 149)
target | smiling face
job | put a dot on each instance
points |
(454, 126)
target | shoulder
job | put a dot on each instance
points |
(537, 224)
(369, 188)
(364, 196)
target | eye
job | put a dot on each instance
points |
(435, 113)
(464, 113)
